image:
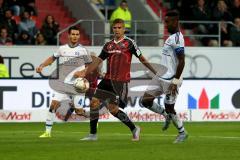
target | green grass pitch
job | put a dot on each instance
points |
(207, 141)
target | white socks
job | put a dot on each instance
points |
(49, 121)
(158, 109)
(177, 123)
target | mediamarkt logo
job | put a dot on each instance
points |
(224, 115)
(15, 116)
(203, 101)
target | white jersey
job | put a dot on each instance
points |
(173, 45)
(65, 53)
(72, 57)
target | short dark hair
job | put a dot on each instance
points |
(172, 13)
(73, 28)
(8, 9)
(3, 27)
(118, 20)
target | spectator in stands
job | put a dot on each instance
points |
(30, 6)
(26, 24)
(122, 12)
(40, 40)
(213, 3)
(184, 8)
(221, 12)
(200, 12)
(1, 12)
(4, 38)
(24, 39)
(235, 32)
(225, 36)
(235, 10)
(14, 5)
(50, 28)
(3, 69)
(10, 24)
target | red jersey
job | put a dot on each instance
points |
(119, 57)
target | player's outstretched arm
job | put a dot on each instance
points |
(47, 62)
(145, 62)
(90, 68)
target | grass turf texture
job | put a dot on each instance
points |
(207, 141)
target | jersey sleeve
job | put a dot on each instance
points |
(178, 44)
(104, 54)
(135, 49)
(57, 54)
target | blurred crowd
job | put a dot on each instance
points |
(225, 11)
(18, 21)
(18, 24)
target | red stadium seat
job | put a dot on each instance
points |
(61, 14)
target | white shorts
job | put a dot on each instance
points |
(61, 97)
(78, 100)
(159, 86)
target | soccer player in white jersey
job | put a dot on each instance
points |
(65, 53)
(173, 58)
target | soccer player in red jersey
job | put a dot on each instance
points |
(112, 90)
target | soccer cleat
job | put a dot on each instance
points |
(136, 134)
(166, 123)
(45, 135)
(90, 137)
(181, 137)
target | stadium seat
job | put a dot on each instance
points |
(61, 14)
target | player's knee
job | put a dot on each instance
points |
(95, 103)
(54, 105)
(113, 109)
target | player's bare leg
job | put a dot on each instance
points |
(94, 116)
(69, 112)
(78, 111)
(114, 110)
(50, 119)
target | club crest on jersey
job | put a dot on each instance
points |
(122, 45)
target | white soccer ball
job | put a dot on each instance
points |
(81, 85)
